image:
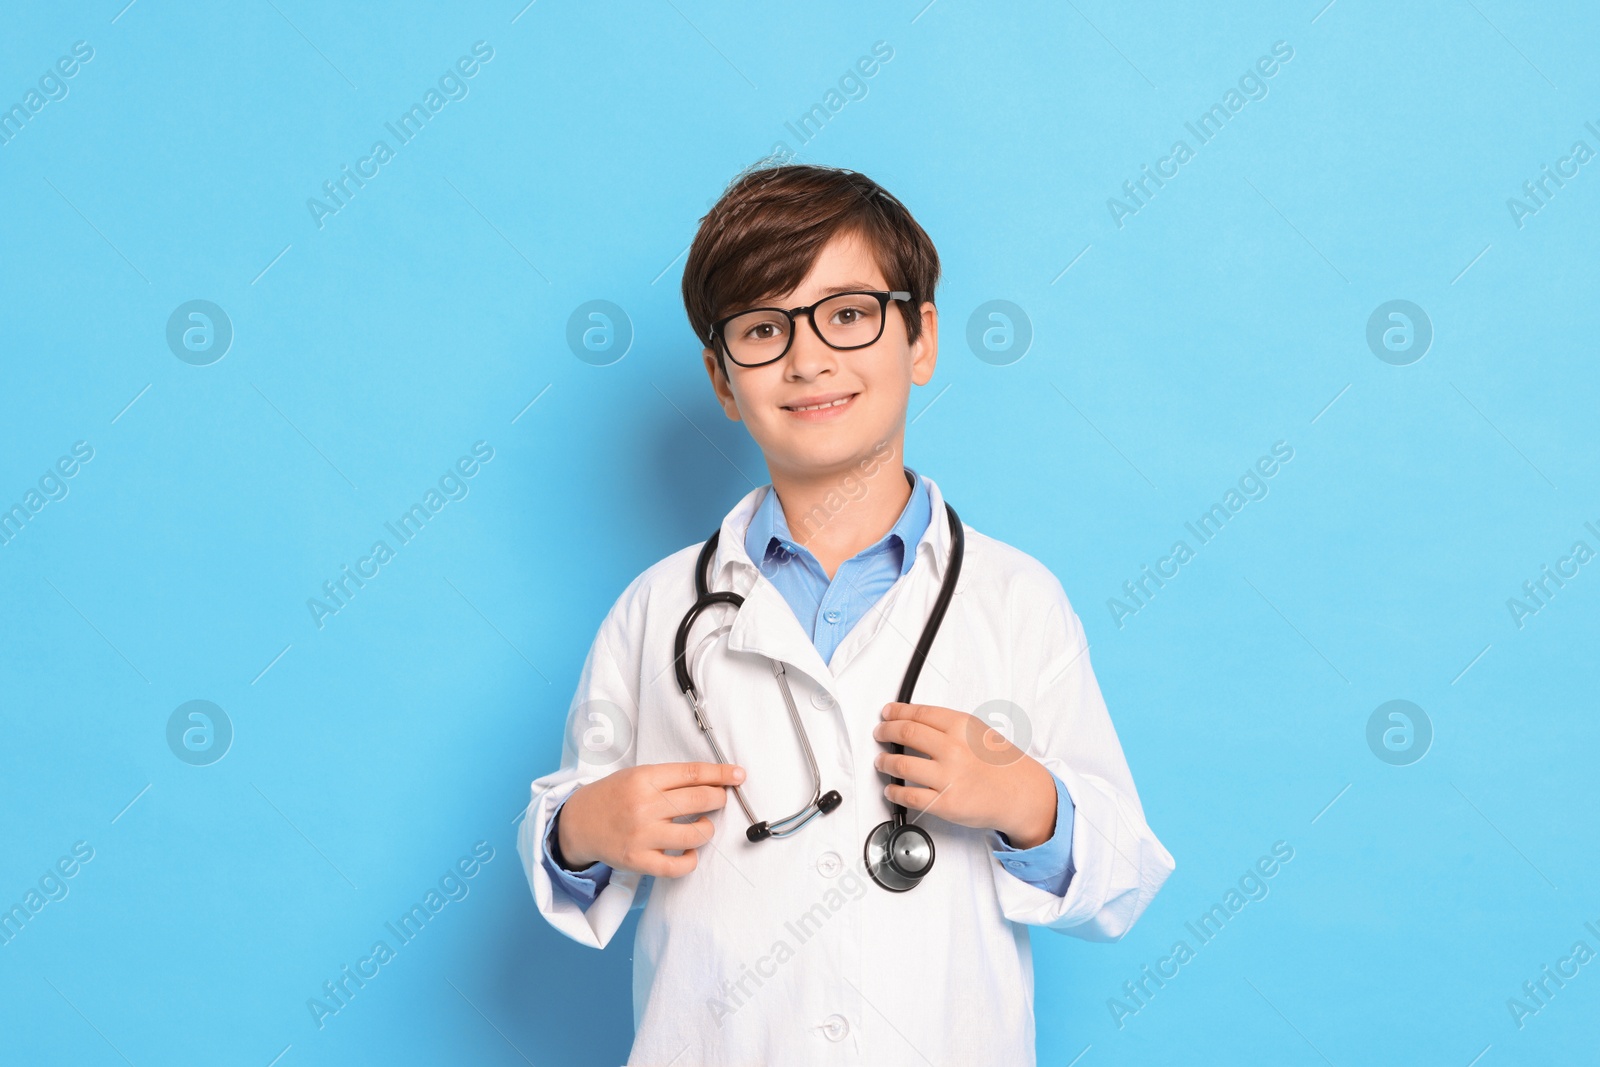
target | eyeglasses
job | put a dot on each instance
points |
(843, 321)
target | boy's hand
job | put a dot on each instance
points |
(972, 775)
(625, 818)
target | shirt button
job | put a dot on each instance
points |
(829, 864)
(822, 700)
(832, 616)
(835, 1027)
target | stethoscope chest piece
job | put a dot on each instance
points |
(899, 855)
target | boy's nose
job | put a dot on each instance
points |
(808, 353)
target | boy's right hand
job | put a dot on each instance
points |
(625, 819)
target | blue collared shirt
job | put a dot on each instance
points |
(828, 610)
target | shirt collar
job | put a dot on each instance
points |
(768, 525)
(730, 554)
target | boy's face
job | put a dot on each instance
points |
(876, 379)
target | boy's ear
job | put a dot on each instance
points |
(719, 384)
(925, 349)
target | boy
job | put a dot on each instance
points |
(812, 291)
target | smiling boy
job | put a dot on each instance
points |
(811, 290)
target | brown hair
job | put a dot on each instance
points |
(765, 232)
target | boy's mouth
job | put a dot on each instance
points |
(821, 406)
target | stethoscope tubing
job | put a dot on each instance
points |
(930, 630)
(820, 803)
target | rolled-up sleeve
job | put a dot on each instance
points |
(600, 733)
(1117, 863)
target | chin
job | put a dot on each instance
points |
(829, 455)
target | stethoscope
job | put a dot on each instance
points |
(898, 853)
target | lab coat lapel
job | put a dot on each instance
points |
(927, 571)
(766, 624)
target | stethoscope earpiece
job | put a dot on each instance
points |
(825, 804)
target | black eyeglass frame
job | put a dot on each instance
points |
(883, 295)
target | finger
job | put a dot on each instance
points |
(913, 769)
(941, 719)
(677, 775)
(913, 797)
(684, 835)
(691, 799)
(913, 735)
(664, 866)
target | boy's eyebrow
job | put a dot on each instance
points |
(846, 287)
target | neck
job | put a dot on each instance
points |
(837, 513)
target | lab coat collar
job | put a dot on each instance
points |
(767, 624)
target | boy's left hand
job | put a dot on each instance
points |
(972, 775)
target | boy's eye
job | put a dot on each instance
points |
(853, 315)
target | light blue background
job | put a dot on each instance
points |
(1228, 314)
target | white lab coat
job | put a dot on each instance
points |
(784, 951)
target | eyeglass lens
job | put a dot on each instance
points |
(849, 320)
